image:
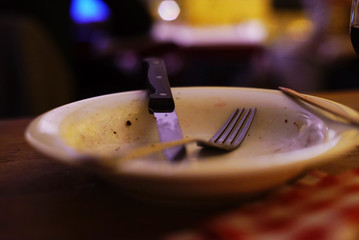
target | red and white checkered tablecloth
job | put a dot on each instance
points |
(318, 206)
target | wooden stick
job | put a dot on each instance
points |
(330, 108)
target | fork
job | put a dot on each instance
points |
(228, 137)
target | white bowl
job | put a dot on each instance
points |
(285, 139)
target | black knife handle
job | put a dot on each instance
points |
(160, 95)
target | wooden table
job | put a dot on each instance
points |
(43, 199)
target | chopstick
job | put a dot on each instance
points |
(329, 108)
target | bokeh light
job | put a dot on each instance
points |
(169, 10)
(89, 11)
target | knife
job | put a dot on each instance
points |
(162, 106)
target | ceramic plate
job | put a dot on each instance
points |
(286, 138)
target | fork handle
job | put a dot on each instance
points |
(150, 149)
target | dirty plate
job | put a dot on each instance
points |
(286, 138)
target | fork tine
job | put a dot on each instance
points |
(236, 128)
(226, 128)
(242, 132)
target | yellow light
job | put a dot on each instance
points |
(169, 10)
(299, 28)
(221, 12)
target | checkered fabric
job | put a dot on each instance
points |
(317, 207)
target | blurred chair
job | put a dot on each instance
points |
(34, 75)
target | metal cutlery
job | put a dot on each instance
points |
(162, 106)
(228, 137)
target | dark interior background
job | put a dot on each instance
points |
(47, 60)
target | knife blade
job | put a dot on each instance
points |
(162, 106)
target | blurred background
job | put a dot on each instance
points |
(59, 51)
